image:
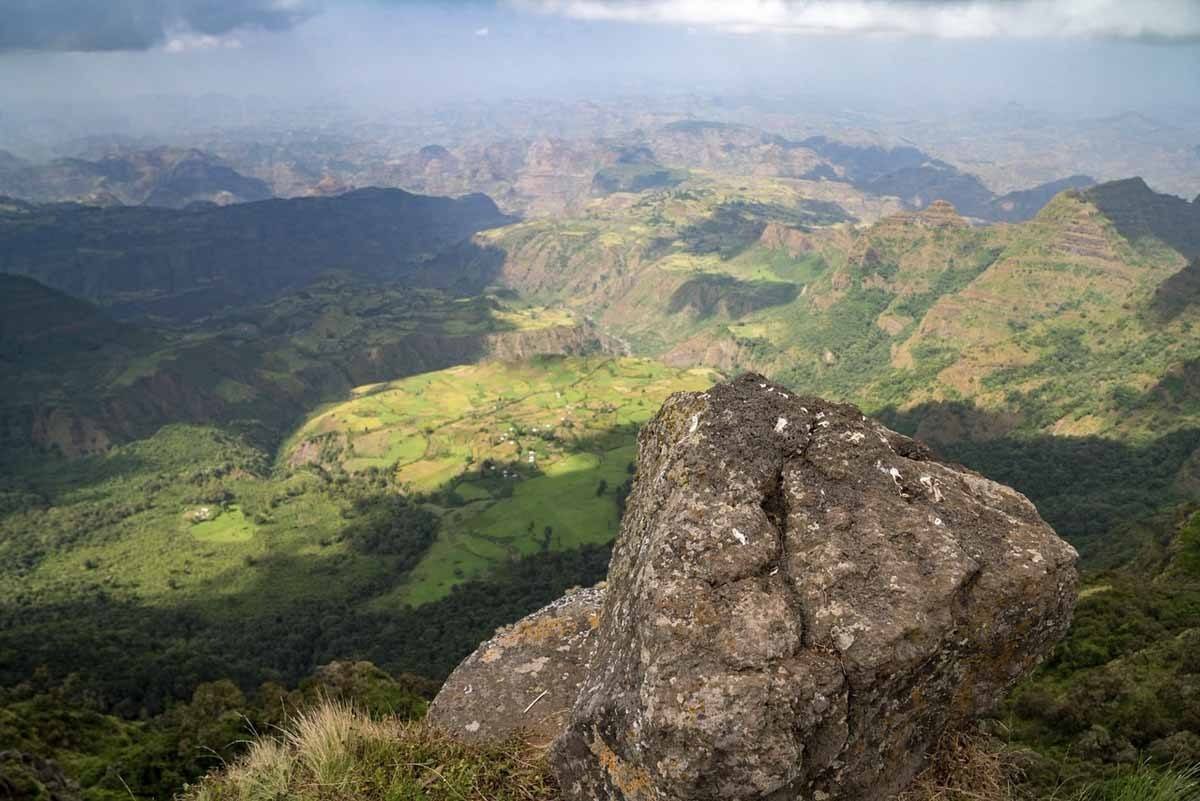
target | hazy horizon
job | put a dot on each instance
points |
(1079, 56)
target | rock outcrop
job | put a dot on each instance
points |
(800, 602)
(526, 678)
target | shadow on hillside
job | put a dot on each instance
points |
(46, 475)
(1137, 211)
(142, 656)
(1178, 293)
(1083, 486)
(710, 294)
(735, 226)
(267, 364)
(187, 264)
(277, 616)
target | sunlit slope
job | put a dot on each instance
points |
(1079, 321)
(517, 457)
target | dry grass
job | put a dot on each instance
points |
(333, 753)
(964, 767)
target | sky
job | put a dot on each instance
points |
(1080, 55)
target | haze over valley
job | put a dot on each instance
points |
(336, 337)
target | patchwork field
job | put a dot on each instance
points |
(516, 458)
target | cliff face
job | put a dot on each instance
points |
(562, 340)
(800, 603)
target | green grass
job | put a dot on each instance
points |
(1148, 784)
(229, 526)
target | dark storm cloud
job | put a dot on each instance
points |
(95, 25)
(1145, 20)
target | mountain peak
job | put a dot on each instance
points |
(942, 213)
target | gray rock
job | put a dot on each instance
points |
(525, 679)
(800, 602)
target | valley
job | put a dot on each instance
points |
(240, 443)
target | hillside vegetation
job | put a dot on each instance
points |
(1065, 340)
(332, 752)
(186, 264)
(214, 476)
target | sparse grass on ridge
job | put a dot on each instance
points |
(335, 753)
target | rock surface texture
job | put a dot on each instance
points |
(526, 678)
(799, 603)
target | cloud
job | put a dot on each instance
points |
(92, 25)
(1158, 20)
(484, 31)
(186, 42)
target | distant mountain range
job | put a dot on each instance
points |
(534, 177)
(556, 176)
(169, 177)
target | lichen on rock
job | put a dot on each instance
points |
(526, 678)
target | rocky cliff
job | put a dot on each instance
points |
(800, 603)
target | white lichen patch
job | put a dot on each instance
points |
(780, 425)
(533, 666)
(891, 472)
(739, 536)
(932, 488)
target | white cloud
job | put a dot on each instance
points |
(1177, 20)
(482, 31)
(188, 42)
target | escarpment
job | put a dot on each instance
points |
(800, 602)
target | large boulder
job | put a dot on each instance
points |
(800, 602)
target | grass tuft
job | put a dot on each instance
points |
(1148, 784)
(334, 753)
(965, 767)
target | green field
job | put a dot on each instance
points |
(499, 452)
(230, 526)
(519, 458)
